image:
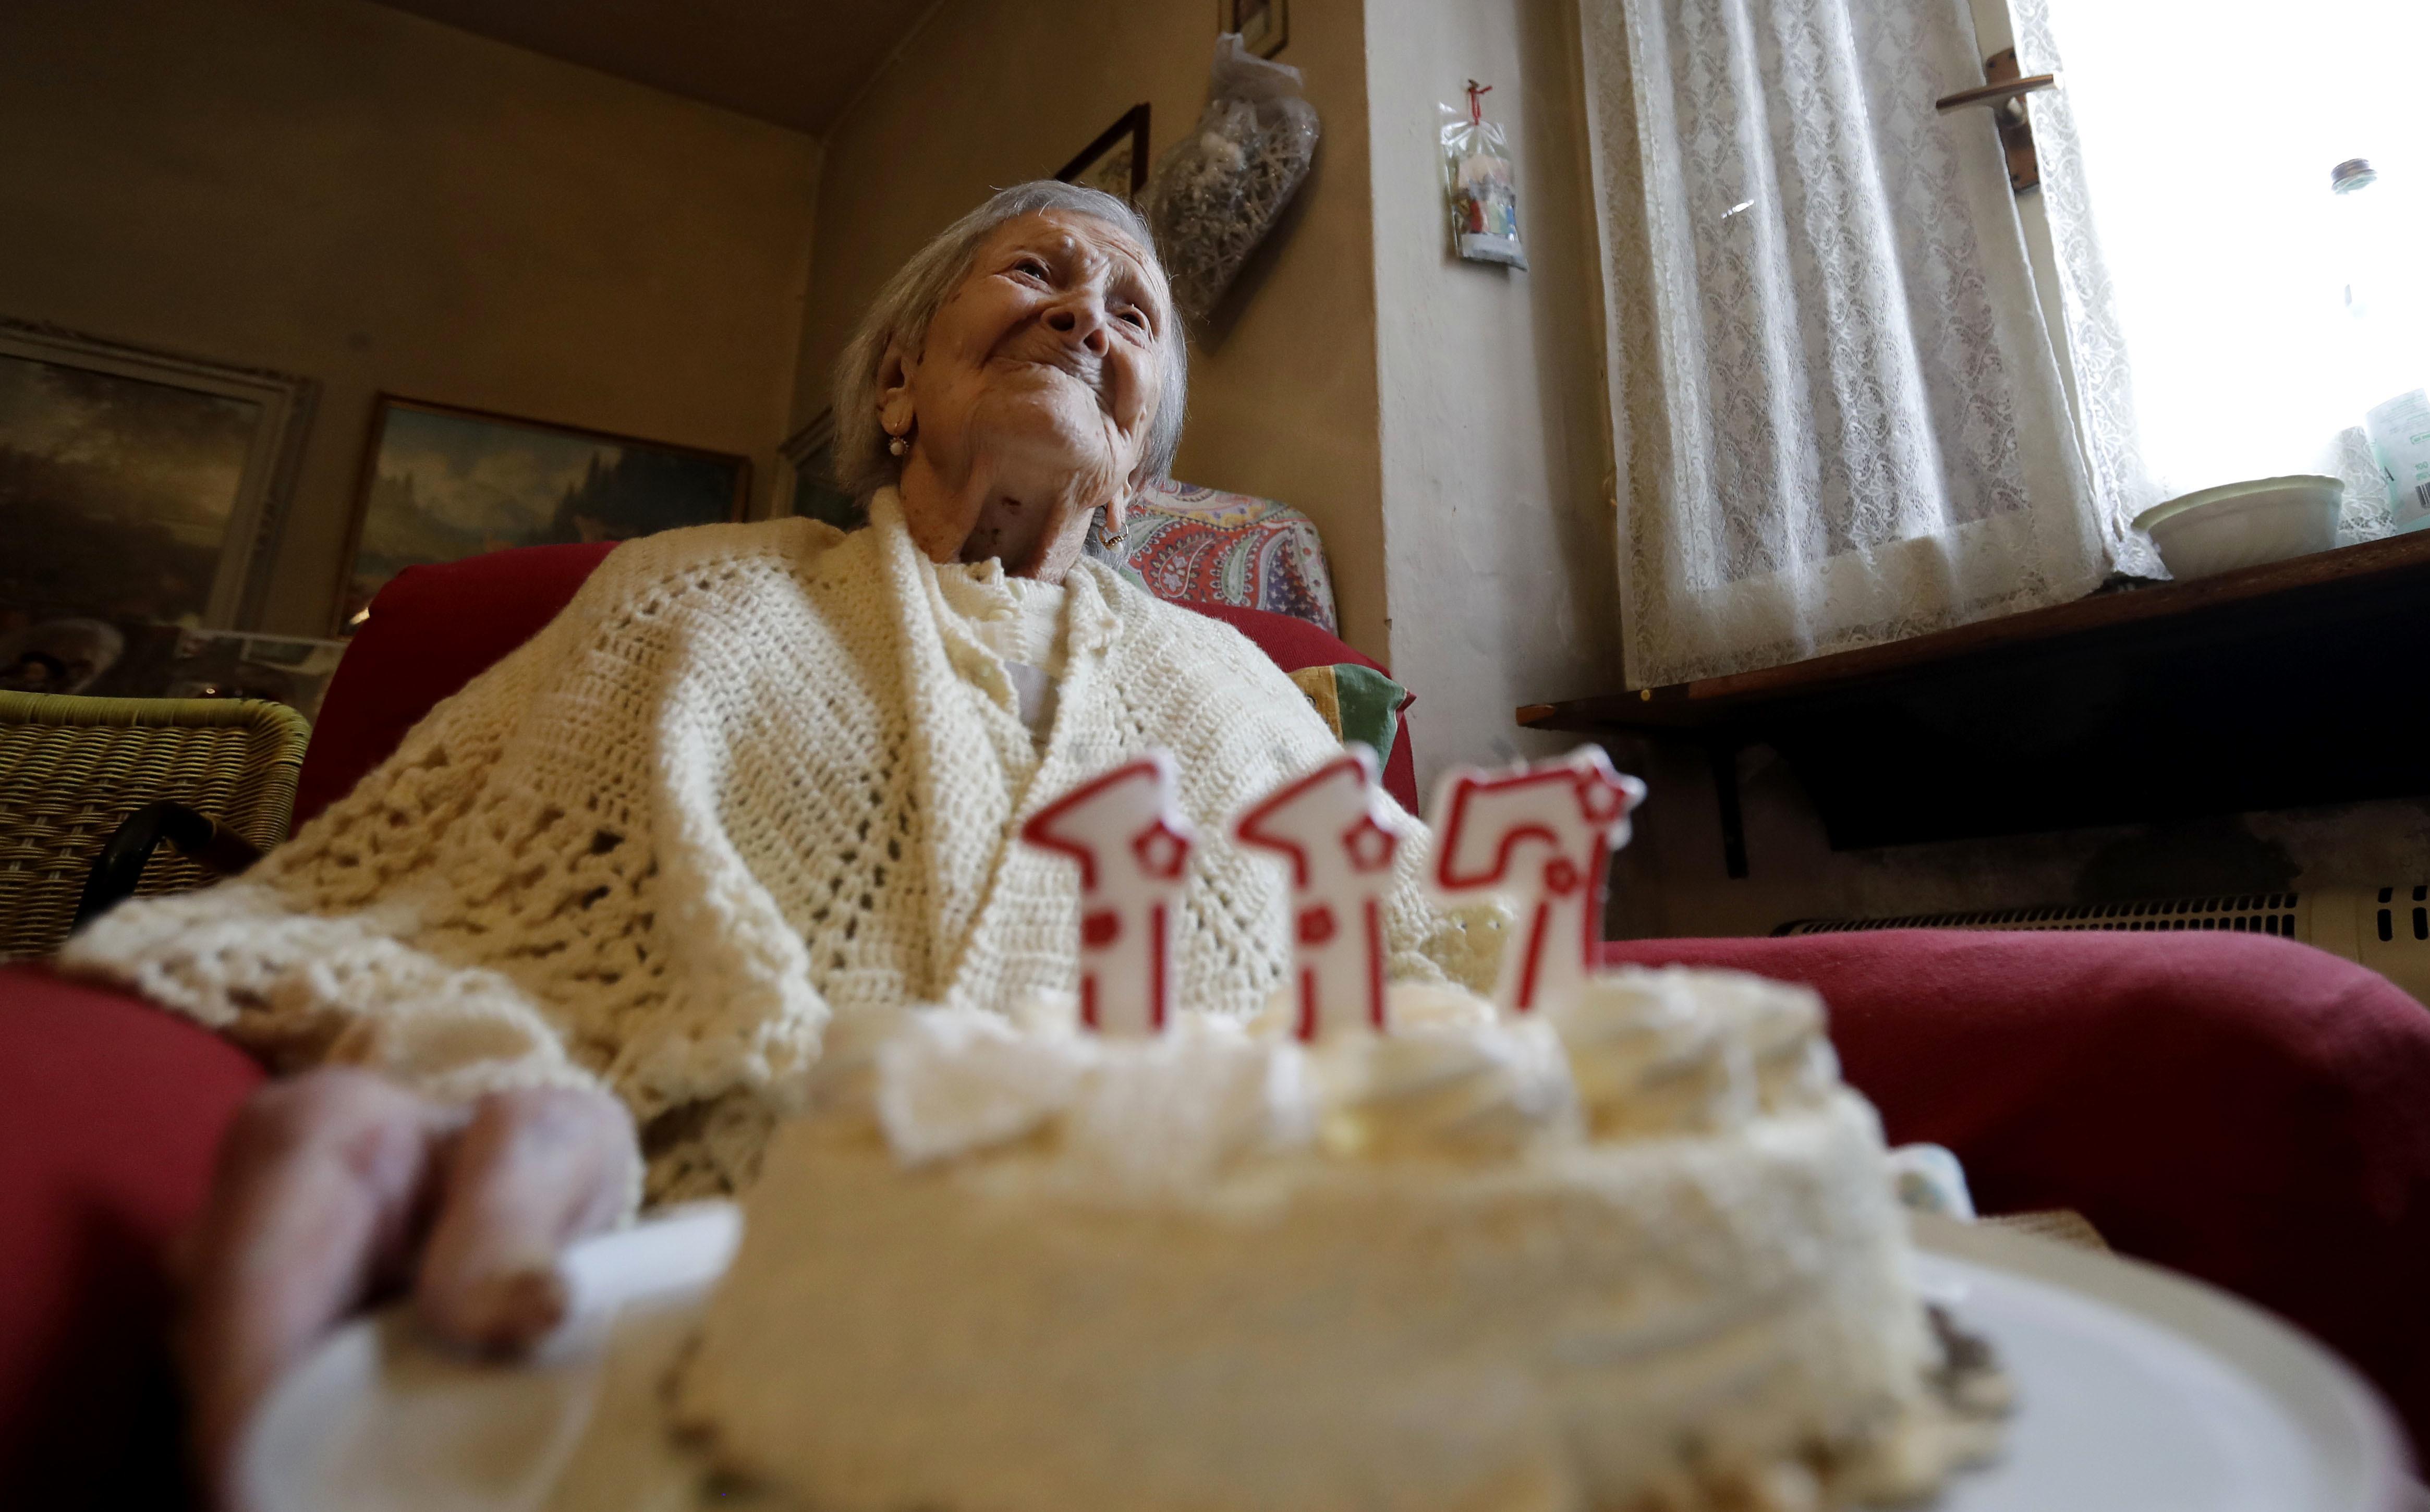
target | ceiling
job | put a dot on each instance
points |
(795, 63)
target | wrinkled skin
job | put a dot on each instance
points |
(336, 1188)
(1027, 407)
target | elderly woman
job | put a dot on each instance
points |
(576, 940)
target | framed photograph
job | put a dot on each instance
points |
(1264, 25)
(810, 452)
(1117, 160)
(443, 483)
(140, 491)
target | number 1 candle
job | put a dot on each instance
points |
(1339, 836)
(1133, 846)
(1537, 836)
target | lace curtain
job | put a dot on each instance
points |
(2107, 419)
(1836, 411)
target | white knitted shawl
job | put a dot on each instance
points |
(735, 786)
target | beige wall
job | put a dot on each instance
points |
(990, 92)
(339, 191)
(1501, 567)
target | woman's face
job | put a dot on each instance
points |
(1029, 405)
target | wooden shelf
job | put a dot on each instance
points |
(2295, 683)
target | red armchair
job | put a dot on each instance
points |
(2243, 1109)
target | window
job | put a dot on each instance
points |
(1860, 391)
(2204, 135)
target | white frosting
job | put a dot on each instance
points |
(955, 1080)
(1648, 1248)
(1116, 1117)
(1651, 1056)
(1480, 1091)
(845, 1079)
(1435, 1005)
(1782, 1023)
(1165, 1117)
(1164, 1114)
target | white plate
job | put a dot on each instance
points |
(2139, 1391)
(2140, 1388)
(380, 1418)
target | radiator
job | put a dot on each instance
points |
(2387, 929)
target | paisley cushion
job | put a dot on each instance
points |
(1197, 545)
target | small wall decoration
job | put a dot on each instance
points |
(1478, 185)
(441, 483)
(1219, 189)
(1264, 25)
(139, 493)
(1117, 160)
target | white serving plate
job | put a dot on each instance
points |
(2141, 1388)
(2139, 1391)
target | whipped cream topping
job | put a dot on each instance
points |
(955, 1079)
(842, 1085)
(1435, 1006)
(1171, 1113)
(1782, 1023)
(1479, 1091)
(1638, 1054)
(1131, 1115)
(1650, 1056)
(843, 1080)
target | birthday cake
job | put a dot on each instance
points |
(1634, 1247)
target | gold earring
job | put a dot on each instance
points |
(898, 446)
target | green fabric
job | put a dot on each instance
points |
(1371, 706)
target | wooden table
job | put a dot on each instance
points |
(2295, 683)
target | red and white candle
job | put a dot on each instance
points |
(1133, 845)
(1337, 832)
(1538, 837)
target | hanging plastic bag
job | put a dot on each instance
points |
(1480, 186)
(1217, 192)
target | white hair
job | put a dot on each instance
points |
(911, 299)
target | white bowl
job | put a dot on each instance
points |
(2244, 525)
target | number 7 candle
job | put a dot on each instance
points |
(1133, 846)
(1538, 837)
(1338, 835)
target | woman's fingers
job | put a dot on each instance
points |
(534, 1170)
(314, 1199)
(325, 1187)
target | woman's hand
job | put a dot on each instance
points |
(336, 1185)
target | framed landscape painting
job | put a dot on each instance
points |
(441, 483)
(140, 492)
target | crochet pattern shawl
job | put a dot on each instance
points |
(737, 786)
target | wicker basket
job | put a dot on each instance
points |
(72, 769)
